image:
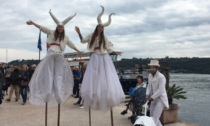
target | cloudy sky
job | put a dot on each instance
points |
(140, 28)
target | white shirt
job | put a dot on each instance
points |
(156, 88)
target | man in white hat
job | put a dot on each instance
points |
(156, 92)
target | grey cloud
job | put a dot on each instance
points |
(134, 6)
(137, 29)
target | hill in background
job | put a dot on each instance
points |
(176, 65)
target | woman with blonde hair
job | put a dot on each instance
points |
(24, 80)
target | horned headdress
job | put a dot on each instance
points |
(64, 21)
(99, 18)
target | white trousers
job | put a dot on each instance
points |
(156, 108)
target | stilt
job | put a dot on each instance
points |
(89, 117)
(112, 121)
(58, 114)
(46, 114)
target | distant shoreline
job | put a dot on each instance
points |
(187, 73)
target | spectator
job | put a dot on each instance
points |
(8, 72)
(138, 98)
(77, 77)
(1, 68)
(79, 102)
(2, 81)
(15, 81)
(24, 80)
(31, 71)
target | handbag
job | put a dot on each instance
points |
(24, 83)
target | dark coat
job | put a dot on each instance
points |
(24, 77)
(15, 77)
(2, 83)
(1, 80)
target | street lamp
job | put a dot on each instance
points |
(113, 56)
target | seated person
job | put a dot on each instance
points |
(138, 98)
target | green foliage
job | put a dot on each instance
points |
(175, 92)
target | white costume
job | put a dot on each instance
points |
(52, 80)
(156, 89)
(101, 88)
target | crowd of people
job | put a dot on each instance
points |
(15, 79)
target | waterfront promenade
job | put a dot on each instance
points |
(14, 114)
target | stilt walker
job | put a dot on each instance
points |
(100, 89)
(89, 116)
(58, 115)
(46, 114)
(112, 119)
(52, 81)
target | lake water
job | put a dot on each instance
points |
(196, 108)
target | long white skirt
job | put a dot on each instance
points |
(52, 81)
(101, 88)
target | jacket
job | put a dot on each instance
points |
(156, 88)
(15, 77)
(102, 50)
(50, 39)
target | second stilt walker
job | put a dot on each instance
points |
(101, 89)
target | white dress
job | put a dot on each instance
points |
(101, 88)
(52, 80)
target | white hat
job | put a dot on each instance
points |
(34, 65)
(64, 21)
(154, 63)
(99, 18)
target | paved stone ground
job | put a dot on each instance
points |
(14, 114)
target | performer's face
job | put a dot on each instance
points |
(60, 28)
(100, 28)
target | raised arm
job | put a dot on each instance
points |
(29, 22)
(78, 32)
(43, 29)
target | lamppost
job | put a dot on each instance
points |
(113, 56)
